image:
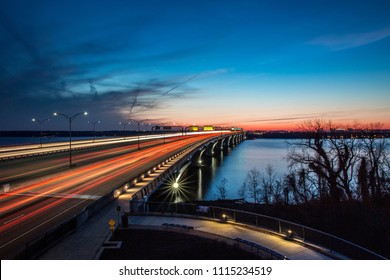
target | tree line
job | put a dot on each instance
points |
(324, 166)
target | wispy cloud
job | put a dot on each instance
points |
(349, 41)
(348, 115)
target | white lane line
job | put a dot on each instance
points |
(41, 224)
(59, 195)
(7, 222)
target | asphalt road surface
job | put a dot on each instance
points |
(46, 191)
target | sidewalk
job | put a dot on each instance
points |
(87, 240)
(291, 250)
(85, 243)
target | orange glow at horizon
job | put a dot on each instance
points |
(295, 126)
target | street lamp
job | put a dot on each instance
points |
(70, 120)
(161, 127)
(138, 122)
(124, 128)
(40, 122)
(94, 131)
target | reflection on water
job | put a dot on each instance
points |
(200, 183)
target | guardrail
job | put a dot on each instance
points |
(289, 230)
(37, 246)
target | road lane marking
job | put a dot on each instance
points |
(7, 222)
(61, 195)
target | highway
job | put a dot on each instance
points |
(22, 151)
(45, 191)
(49, 148)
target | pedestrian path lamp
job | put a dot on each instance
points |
(176, 187)
(70, 119)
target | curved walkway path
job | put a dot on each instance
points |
(292, 250)
(86, 242)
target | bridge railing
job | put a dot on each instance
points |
(325, 242)
(159, 180)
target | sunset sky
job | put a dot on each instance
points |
(253, 64)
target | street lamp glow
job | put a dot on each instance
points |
(175, 185)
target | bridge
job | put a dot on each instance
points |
(43, 198)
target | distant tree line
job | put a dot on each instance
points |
(325, 167)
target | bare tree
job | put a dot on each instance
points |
(242, 191)
(363, 181)
(328, 155)
(222, 191)
(376, 154)
(252, 182)
(268, 190)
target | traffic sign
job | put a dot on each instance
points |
(111, 223)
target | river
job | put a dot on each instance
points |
(200, 183)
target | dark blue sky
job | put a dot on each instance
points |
(256, 64)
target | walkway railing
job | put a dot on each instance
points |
(285, 228)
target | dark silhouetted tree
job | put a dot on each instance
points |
(222, 191)
(363, 181)
(328, 155)
(268, 186)
(242, 191)
(376, 154)
(252, 182)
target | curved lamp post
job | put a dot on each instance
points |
(70, 120)
(124, 128)
(138, 122)
(40, 122)
(94, 131)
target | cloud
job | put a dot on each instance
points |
(344, 116)
(348, 41)
(302, 117)
(97, 74)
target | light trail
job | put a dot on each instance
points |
(73, 177)
(30, 150)
(27, 210)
